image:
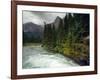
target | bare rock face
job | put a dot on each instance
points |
(57, 22)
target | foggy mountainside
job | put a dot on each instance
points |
(32, 33)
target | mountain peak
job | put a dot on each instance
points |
(31, 27)
(57, 19)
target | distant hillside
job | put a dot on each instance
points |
(32, 32)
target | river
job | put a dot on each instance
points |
(38, 57)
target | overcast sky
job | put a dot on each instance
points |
(40, 17)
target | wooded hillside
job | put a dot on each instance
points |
(69, 37)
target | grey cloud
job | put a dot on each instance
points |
(40, 17)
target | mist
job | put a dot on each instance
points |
(41, 17)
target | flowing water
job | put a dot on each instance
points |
(38, 57)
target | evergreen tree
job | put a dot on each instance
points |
(54, 36)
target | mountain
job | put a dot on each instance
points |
(31, 27)
(32, 32)
(57, 22)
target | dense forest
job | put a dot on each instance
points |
(70, 37)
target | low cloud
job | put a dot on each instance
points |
(40, 17)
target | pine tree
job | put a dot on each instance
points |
(54, 36)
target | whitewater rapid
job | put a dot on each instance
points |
(38, 57)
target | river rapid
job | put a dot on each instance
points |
(35, 56)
